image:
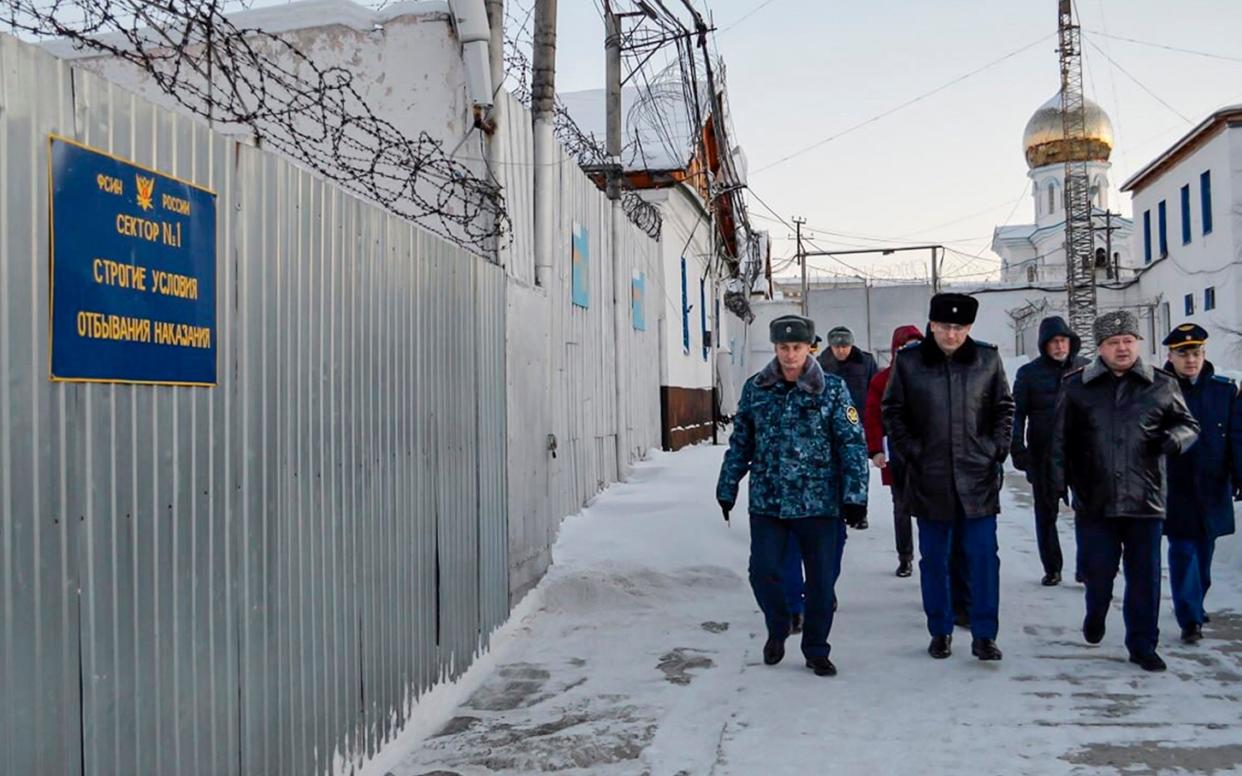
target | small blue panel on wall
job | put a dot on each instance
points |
(580, 275)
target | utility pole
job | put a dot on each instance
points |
(1079, 241)
(496, 54)
(620, 281)
(543, 109)
(798, 222)
(935, 272)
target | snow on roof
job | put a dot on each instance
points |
(287, 17)
(1014, 232)
(648, 143)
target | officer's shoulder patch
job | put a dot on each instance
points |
(983, 344)
(1223, 379)
(851, 414)
(911, 345)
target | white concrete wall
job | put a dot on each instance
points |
(1212, 260)
(686, 234)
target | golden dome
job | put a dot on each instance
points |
(1044, 138)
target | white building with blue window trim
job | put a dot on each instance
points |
(1188, 206)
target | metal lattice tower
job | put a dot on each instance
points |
(1079, 241)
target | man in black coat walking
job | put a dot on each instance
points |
(1035, 400)
(949, 414)
(1116, 420)
(845, 360)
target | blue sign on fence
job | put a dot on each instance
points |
(133, 263)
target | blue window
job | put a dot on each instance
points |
(1209, 298)
(1205, 194)
(1147, 237)
(707, 334)
(1164, 231)
(685, 311)
(1190, 304)
(1186, 214)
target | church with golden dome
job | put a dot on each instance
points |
(1035, 252)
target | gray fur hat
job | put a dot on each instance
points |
(1115, 323)
(840, 335)
(792, 328)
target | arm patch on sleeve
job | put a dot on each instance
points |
(851, 415)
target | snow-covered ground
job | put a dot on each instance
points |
(639, 653)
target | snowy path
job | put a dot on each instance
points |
(640, 653)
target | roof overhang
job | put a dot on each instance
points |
(1191, 141)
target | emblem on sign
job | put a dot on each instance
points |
(146, 191)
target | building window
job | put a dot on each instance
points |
(1186, 214)
(1147, 237)
(1205, 194)
(1032, 273)
(1190, 304)
(707, 334)
(1209, 298)
(1052, 198)
(1168, 317)
(685, 311)
(1162, 218)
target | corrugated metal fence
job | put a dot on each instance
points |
(261, 577)
(574, 396)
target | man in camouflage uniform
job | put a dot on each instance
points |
(798, 435)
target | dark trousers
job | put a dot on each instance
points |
(902, 521)
(959, 574)
(1046, 532)
(1105, 542)
(982, 566)
(1080, 557)
(791, 572)
(1190, 576)
(817, 540)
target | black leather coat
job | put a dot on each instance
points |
(1107, 439)
(950, 420)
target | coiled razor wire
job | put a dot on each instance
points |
(311, 114)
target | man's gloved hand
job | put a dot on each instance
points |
(1164, 444)
(725, 508)
(1021, 459)
(854, 515)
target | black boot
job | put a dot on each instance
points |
(1192, 634)
(904, 567)
(773, 651)
(822, 666)
(1149, 662)
(940, 647)
(795, 623)
(1051, 579)
(1093, 632)
(985, 649)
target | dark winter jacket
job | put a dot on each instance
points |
(950, 419)
(1035, 390)
(856, 370)
(873, 423)
(1202, 480)
(801, 442)
(1107, 440)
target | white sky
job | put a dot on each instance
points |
(949, 168)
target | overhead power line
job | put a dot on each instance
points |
(903, 105)
(1139, 83)
(1152, 44)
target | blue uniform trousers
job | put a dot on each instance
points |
(817, 541)
(1105, 542)
(791, 573)
(1190, 575)
(982, 567)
